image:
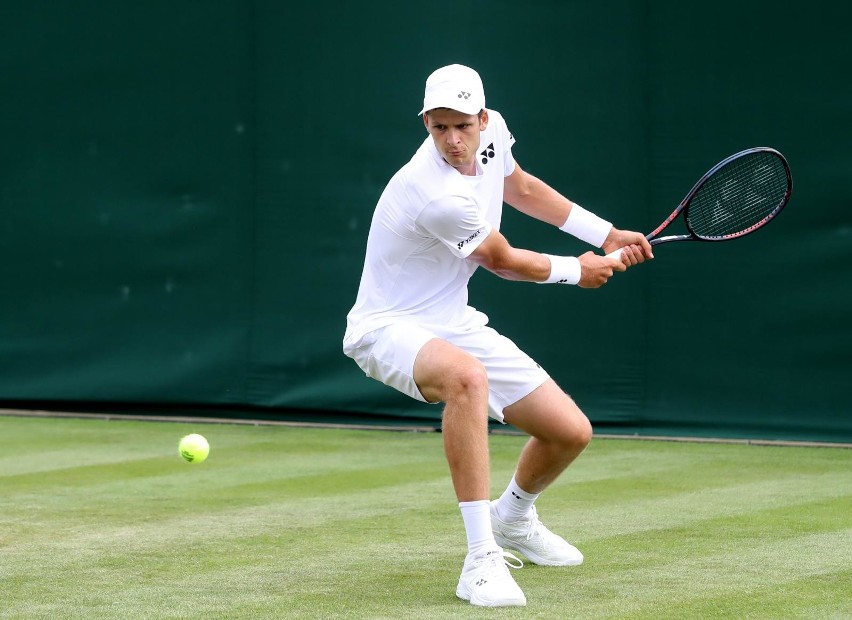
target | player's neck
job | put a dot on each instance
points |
(468, 170)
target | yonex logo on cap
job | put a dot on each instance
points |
(455, 87)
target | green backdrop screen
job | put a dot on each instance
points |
(186, 189)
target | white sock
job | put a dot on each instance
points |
(515, 503)
(477, 525)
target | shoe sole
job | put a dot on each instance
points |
(466, 596)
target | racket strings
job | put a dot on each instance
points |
(743, 194)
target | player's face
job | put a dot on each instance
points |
(456, 136)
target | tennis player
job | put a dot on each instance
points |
(411, 327)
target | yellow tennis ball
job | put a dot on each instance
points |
(194, 448)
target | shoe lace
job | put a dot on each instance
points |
(498, 560)
(511, 560)
(536, 527)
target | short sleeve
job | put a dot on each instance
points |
(456, 222)
(508, 140)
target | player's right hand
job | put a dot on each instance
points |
(595, 270)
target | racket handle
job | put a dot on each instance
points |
(616, 255)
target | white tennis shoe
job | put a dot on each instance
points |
(530, 538)
(486, 581)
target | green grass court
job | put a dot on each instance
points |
(102, 519)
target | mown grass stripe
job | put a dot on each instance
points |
(307, 523)
(686, 581)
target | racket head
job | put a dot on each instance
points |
(739, 195)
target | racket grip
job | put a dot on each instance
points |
(616, 255)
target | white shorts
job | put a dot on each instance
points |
(387, 355)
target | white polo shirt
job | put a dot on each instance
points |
(429, 218)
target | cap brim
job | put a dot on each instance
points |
(452, 103)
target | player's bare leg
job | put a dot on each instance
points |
(445, 373)
(559, 432)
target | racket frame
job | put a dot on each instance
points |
(683, 207)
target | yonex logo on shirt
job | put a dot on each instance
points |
(461, 244)
(487, 153)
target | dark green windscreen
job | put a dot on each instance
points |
(186, 189)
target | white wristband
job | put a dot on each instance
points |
(563, 270)
(586, 226)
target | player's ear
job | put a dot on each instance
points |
(426, 120)
(483, 119)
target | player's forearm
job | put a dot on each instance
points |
(499, 257)
(544, 269)
(521, 265)
(537, 199)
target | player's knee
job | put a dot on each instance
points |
(584, 431)
(577, 433)
(467, 381)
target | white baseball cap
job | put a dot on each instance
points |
(456, 87)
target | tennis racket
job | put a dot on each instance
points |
(736, 197)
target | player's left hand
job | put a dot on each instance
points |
(635, 247)
(632, 255)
